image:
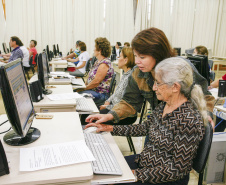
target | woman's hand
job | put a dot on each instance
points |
(100, 127)
(99, 118)
(79, 90)
(210, 87)
(103, 107)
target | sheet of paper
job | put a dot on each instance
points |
(64, 96)
(213, 90)
(57, 73)
(49, 156)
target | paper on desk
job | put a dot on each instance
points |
(49, 156)
(57, 73)
(64, 96)
(213, 90)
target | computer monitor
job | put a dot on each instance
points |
(48, 54)
(189, 52)
(178, 51)
(5, 48)
(18, 105)
(58, 51)
(201, 64)
(43, 72)
(10, 49)
(54, 50)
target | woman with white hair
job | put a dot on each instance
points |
(175, 127)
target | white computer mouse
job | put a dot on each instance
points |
(91, 130)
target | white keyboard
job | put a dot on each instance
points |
(83, 105)
(106, 162)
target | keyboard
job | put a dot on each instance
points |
(83, 105)
(106, 162)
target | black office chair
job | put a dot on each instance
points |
(94, 59)
(112, 84)
(199, 162)
(31, 65)
(88, 64)
(129, 138)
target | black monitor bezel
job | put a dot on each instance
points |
(9, 102)
(41, 76)
(5, 48)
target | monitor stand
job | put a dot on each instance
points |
(47, 91)
(13, 139)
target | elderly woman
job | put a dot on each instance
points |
(150, 47)
(126, 62)
(175, 127)
(98, 82)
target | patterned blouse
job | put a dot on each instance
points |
(103, 87)
(172, 145)
(117, 96)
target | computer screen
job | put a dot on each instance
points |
(48, 53)
(54, 50)
(58, 51)
(18, 104)
(43, 72)
(189, 52)
(5, 48)
(201, 64)
(178, 51)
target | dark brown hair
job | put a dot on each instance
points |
(103, 45)
(201, 50)
(17, 40)
(35, 42)
(153, 42)
(82, 46)
(127, 43)
(128, 52)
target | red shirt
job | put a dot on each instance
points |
(224, 77)
(34, 51)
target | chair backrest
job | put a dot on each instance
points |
(30, 60)
(112, 84)
(199, 162)
(143, 108)
(36, 58)
(94, 59)
(88, 65)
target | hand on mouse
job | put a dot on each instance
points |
(100, 127)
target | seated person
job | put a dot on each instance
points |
(221, 127)
(80, 69)
(100, 75)
(116, 50)
(16, 53)
(175, 126)
(125, 62)
(74, 54)
(33, 51)
(126, 44)
(25, 60)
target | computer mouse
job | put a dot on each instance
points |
(91, 130)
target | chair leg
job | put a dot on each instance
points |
(28, 77)
(33, 70)
(130, 141)
(200, 178)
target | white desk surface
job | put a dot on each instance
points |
(50, 132)
(78, 81)
(61, 104)
(2, 64)
(58, 61)
(53, 131)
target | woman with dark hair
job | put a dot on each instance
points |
(99, 79)
(150, 47)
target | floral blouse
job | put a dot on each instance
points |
(104, 86)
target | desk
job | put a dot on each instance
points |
(220, 58)
(46, 105)
(218, 63)
(78, 81)
(117, 70)
(2, 64)
(71, 174)
(58, 64)
(69, 130)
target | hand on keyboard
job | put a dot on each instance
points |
(100, 127)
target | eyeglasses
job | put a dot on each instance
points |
(159, 84)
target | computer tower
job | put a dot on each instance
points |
(4, 168)
(36, 91)
(222, 88)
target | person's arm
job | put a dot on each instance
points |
(186, 138)
(69, 56)
(72, 60)
(6, 57)
(214, 84)
(81, 66)
(99, 77)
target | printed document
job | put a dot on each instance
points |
(64, 96)
(49, 156)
